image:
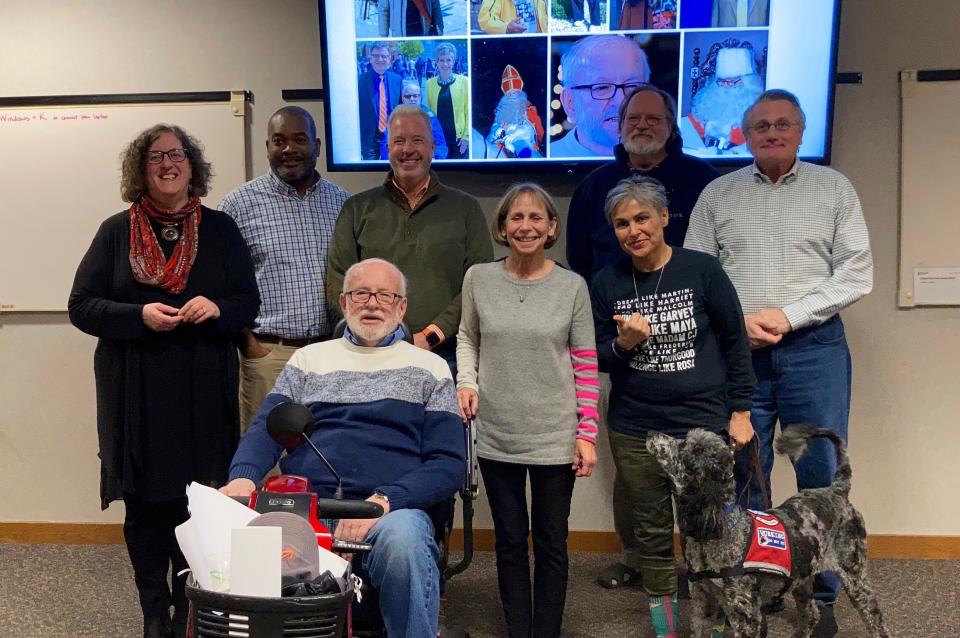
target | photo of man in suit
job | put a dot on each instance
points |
(740, 13)
(379, 90)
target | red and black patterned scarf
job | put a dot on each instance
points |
(147, 260)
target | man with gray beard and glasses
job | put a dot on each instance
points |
(650, 144)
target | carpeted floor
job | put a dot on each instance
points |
(80, 591)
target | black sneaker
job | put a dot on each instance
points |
(827, 625)
(618, 575)
(157, 627)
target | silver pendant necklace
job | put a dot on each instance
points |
(170, 233)
(516, 282)
(633, 271)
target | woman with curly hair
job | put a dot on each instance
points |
(166, 286)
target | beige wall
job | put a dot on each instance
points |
(906, 394)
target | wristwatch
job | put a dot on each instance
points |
(433, 335)
(381, 497)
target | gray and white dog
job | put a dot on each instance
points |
(825, 532)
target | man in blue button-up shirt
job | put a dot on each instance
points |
(286, 218)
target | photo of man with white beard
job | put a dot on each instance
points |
(727, 80)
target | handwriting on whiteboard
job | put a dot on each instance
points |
(43, 116)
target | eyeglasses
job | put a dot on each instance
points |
(384, 298)
(763, 126)
(650, 120)
(379, 56)
(175, 154)
(605, 91)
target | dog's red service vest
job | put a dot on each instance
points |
(769, 549)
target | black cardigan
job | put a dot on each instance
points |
(167, 405)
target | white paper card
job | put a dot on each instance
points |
(936, 286)
(255, 561)
(205, 538)
(333, 563)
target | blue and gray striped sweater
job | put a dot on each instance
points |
(387, 420)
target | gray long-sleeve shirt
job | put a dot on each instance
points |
(518, 355)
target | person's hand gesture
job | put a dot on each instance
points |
(632, 330)
(584, 457)
(355, 529)
(762, 331)
(160, 317)
(740, 430)
(238, 487)
(199, 309)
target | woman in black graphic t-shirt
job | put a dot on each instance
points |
(670, 334)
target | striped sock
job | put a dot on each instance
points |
(665, 615)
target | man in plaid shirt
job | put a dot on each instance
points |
(287, 218)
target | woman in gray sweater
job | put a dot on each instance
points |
(527, 370)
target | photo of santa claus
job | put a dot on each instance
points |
(724, 72)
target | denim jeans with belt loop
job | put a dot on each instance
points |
(802, 380)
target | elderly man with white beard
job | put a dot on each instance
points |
(512, 134)
(650, 144)
(718, 107)
(517, 130)
(387, 418)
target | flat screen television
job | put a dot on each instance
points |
(520, 84)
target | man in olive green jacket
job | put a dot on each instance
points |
(433, 233)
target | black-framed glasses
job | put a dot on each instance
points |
(763, 126)
(175, 154)
(383, 297)
(606, 90)
(650, 120)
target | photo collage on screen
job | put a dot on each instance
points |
(533, 79)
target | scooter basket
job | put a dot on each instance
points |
(222, 615)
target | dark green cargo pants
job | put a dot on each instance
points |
(643, 513)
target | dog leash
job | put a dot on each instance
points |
(757, 472)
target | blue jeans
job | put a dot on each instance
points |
(803, 380)
(403, 566)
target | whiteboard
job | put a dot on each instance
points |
(929, 188)
(60, 178)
